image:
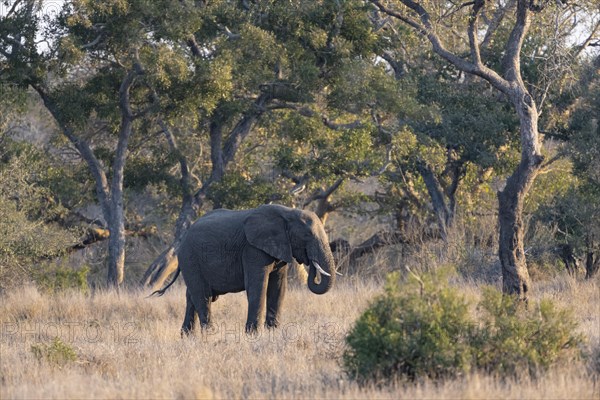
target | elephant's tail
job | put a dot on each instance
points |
(162, 291)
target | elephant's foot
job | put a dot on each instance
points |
(272, 323)
(251, 328)
(186, 332)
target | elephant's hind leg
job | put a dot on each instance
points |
(189, 322)
(276, 288)
(201, 302)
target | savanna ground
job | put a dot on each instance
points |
(128, 346)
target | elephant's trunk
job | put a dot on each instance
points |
(322, 264)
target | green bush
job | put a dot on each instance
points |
(514, 339)
(57, 353)
(57, 279)
(417, 328)
(424, 328)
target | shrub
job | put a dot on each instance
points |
(424, 328)
(515, 339)
(57, 352)
(60, 278)
(417, 328)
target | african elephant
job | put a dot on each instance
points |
(228, 251)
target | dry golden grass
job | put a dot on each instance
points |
(128, 346)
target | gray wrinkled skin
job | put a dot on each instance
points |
(229, 251)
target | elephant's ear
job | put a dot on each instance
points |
(265, 229)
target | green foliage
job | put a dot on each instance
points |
(556, 182)
(142, 171)
(23, 242)
(56, 353)
(514, 339)
(424, 328)
(584, 129)
(469, 120)
(30, 202)
(308, 147)
(57, 279)
(415, 329)
(237, 190)
(359, 85)
(570, 194)
(574, 215)
(40, 183)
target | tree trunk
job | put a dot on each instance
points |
(440, 208)
(515, 276)
(116, 250)
(323, 209)
(592, 265)
(116, 220)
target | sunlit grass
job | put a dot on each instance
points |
(129, 346)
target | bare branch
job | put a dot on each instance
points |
(186, 174)
(398, 67)
(426, 29)
(93, 43)
(194, 47)
(495, 23)
(512, 58)
(400, 16)
(326, 193)
(472, 31)
(230, 35)
(13, 8)
(82, 146)
(589, 41)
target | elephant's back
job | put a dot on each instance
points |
(221, 217)
(216, 227)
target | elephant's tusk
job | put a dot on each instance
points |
(321, 270)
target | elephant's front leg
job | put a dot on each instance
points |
(257, 293)
(257, 266)
(276, 288)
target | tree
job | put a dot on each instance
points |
(460, 135)
(30, 206)
(575, 213)
(279, 57)
(506, 76)
(94, 78)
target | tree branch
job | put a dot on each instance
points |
(186, 175)
(588, 42)
(324, 194)
(512, 58)
(93, 42)
(472, 32)
(407, 20)
(426, 29)
(82, 146)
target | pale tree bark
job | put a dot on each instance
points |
(116, 217)
(443, 196)
(509, 81)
